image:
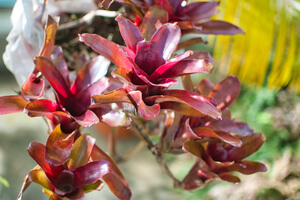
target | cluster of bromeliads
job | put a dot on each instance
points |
(196, 121)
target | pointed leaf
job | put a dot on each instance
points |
(49, 41)
(228, 125)
(216, 27)
(60, 62)
(115, 180)
(33, 88)
(37, 152)
(199, 10)
(197, 102)
(58, 147)
(81, 151)
(130, 32)
(250, 144)
(245, 167)
(93, 71)
(222, 95)
(12, 104)
(165, 39)
(53, 76)
(106, 48)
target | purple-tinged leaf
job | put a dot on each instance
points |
(59, 61)
(58, 147)
(165, 40)
(148, 58)
(53, 76)
(198, 10)
(130, 32)
(106, 48)
(33, 88)
(115, 180)
(91, 172)
(39, 177)
(223, 95)
(181, 108)
(146, 111)
(90, 73)
(41, 107)
(152, 21)
(216, 27)
(87, 119)
(197, 102)
(64, 183)
(228, 125)
(193, 147)
(37, 152)
(250, 144)
(12, 104)
(81, 151)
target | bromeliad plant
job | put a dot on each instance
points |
(196, 120)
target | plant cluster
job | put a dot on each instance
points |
(196, 119)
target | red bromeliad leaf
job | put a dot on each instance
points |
(231, 126)
(58, 147)
(181, 108)
(193, 147)
(165, 40)
(245, 167)
(12, 104)
(224, 96)
(33, 88)
(166, 5)
(81, 151)
(226, 137)
(54, 77)
(60, 62)
(199, 10)
(229, 177)
(37, 152)
(87, 119)
(130, 32)
(115, 180)
(91, 172)
(216, 27)
(90, 73)
(197, 102)
(147, 112)
(39, 177)
(41, 108)
(106, 48)
(250, 144)
(152, 21)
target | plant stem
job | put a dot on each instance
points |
(154, 149)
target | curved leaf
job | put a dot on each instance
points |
(33, 88)
(37, 152)
(58, 147)
(12, 104)
(41, 108)
(81, 151)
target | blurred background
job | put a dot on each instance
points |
(266, 59)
